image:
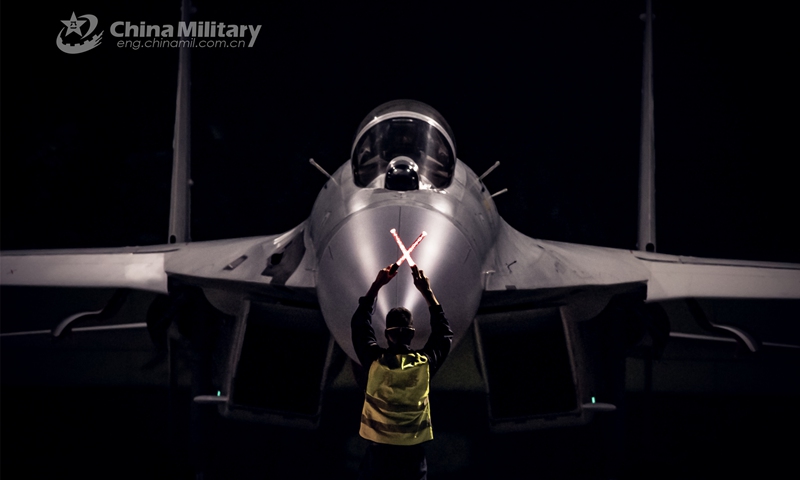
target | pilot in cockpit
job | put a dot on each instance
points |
(404, 145)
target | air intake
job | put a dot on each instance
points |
(527, 362)
(280, 361)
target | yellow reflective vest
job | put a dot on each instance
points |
(396, 409)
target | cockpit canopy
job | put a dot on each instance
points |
(412, 133)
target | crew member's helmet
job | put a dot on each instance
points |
(408, 144)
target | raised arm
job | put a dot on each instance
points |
(437, 347)
(423, 284)
(361, 331)
(384, 276)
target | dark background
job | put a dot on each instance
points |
(551, 90)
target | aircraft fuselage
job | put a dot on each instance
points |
(349, 230)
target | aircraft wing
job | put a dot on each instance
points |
(253, 262)
(523, 263)
(585, 323)
(137, 268)
(128, 333)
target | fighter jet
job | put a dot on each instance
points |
(404, 175)
(498, 285)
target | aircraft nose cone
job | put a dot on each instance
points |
(363, 245)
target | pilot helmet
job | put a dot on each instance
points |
(402, 174)
(406, 142)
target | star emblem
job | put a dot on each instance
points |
(73, 25)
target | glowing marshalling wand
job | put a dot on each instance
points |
(406, 253)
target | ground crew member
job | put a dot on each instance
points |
(396, 417)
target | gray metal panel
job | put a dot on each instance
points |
(363, 245)
(143, 271)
